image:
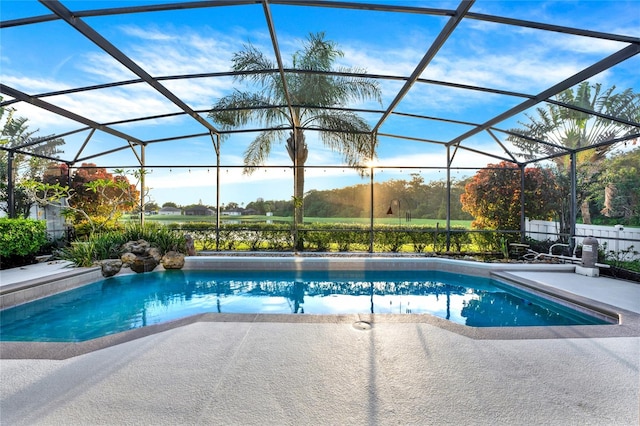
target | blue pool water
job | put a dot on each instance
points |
(122, 303)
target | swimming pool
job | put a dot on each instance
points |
(131, 301)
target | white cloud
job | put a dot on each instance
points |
(177, 51)
(101, 68)
(150, 33)
(33, 85)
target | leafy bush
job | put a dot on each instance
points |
(161, 237)
(80, 253)
(278, 237)
(322, 237)
(21, 237)
(624, 259)
(108, 245)
(325, 236)
(459, 239)
(316, 239)
(392, 239)
(84, 228)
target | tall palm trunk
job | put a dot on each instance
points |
(298, 152)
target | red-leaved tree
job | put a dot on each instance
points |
(492, 196)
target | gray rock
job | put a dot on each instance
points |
(144, 264)
(173, 260)
(189, 244)
(128, 258)
(110, 267)
(155, 253)
(137, 247)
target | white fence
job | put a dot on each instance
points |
(55, 221)
(617, 238)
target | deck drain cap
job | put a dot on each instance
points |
(362, 325)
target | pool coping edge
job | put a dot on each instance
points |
(628, 326)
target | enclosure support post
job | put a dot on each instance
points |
(522, 200)
(371, 203)
(216, 145)
(296, 203)
(10, 187)
(371, 236)
(142, 185)
(572, 204)
(448, 197)
(69, 165)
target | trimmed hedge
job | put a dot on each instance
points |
(320, 237)
(21, 238)
(326, 237)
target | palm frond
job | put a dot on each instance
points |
(311, 93)
(259, 149)
(240, 108)
(251, 59)
(346, 133)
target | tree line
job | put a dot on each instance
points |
(404, 199)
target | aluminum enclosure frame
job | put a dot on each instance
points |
(75, 19)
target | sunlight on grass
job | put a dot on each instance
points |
(166, 219)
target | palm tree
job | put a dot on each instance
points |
(576, 128)
(317, 98)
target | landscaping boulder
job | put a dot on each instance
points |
(128, 258)
(155, 253)
(144, 264)
(139, 247)
(140, 256)
(110, 267)
(173, 260)
(189, 245)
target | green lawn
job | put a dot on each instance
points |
(308, 220)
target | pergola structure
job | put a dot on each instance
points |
(92, 28)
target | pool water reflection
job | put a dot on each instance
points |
(130, 301)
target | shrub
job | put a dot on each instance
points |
(21, 237)
(391, 238)
(108, 245)
(80, 253)
(460, 238)
(84, 228)
(161, 237)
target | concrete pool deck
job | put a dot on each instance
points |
(352, 369)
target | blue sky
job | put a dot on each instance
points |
(52, 56)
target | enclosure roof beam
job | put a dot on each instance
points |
(442, 37)
(84, 144)
(31, 154)
(585, 74)
(596, 113)
(273, 71)
(586, 148)
(486, 154)
(411, 138)
(427, 117)
(127, 10)
(529, 138)
(64, 113)
(295, 120)
(138, 157)
(218, 3)
(334, 73)
(497, 140)
(100, 154)
(40, 140)
(118, 55)
(552, 28)
(328, 4)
